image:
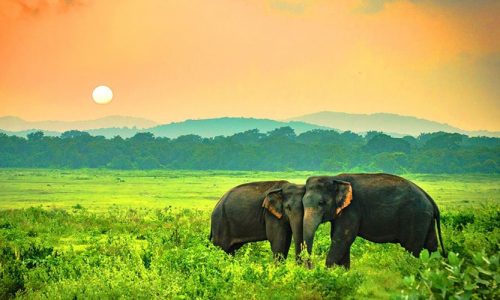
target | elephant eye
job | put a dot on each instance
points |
(288, 207)
(322, 202)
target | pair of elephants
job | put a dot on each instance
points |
(378, 207)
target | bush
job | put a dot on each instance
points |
(455, 277)
(165, 253)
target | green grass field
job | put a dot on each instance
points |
(143, 234)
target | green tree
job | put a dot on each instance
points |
(383, 143)
(395, 162)
(74, 134)
(121, 162)
(443, 140)
(35, 136)
(148, 163)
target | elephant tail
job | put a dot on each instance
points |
(438, 224)
(437, 216)
(210, 236)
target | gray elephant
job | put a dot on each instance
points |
(381, 208)
(257, 211)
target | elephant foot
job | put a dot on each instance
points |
(345, 262)
(332, 265)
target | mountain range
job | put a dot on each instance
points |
(393, 124)
(390, 123)
(10, 123)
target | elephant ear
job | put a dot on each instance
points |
(345, 196)
(273, 202)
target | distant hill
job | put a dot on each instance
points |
(390, 123)
(106, 132)
(10, 123)
(226, 126)
(203, 128)
(124, 132)
(24, 133)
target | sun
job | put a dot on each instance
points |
(102, 94)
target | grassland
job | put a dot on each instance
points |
(97, 190)
(143, 234)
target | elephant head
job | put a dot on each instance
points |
(286, 203)
(324, 200)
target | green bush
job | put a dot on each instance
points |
(165, 253)
(458, 220)
(455, 277)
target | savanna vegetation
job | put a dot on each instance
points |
(144, 234)
(277, 150)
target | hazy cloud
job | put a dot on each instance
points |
(290, 6)
(477, 76)
(488, 71)
(374, 6)
(16, 8)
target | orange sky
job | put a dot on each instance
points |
(172, 60)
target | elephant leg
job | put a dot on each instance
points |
(343, 235)
(223, 245)
(431, 242)
(288, 242)
(280, 238)
(232, 249)
(346, 260)
(415, 234)
(281, 247)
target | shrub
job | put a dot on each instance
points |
(455, 277)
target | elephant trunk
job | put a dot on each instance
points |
(311, 223)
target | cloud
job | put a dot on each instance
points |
(375, 6)
(475, 79)
(488, 70)
(17, 8)
(289, 6)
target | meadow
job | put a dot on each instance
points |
(144, 234)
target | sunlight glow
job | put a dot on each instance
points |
(102, 94)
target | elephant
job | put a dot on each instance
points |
(258, 211)
(381, 208)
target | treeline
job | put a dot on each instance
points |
(280, 149)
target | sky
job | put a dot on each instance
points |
(175, 60)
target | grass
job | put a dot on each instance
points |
(111, 234)
(99, 189)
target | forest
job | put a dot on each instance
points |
(277, 150)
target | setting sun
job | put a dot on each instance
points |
(102, 94)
